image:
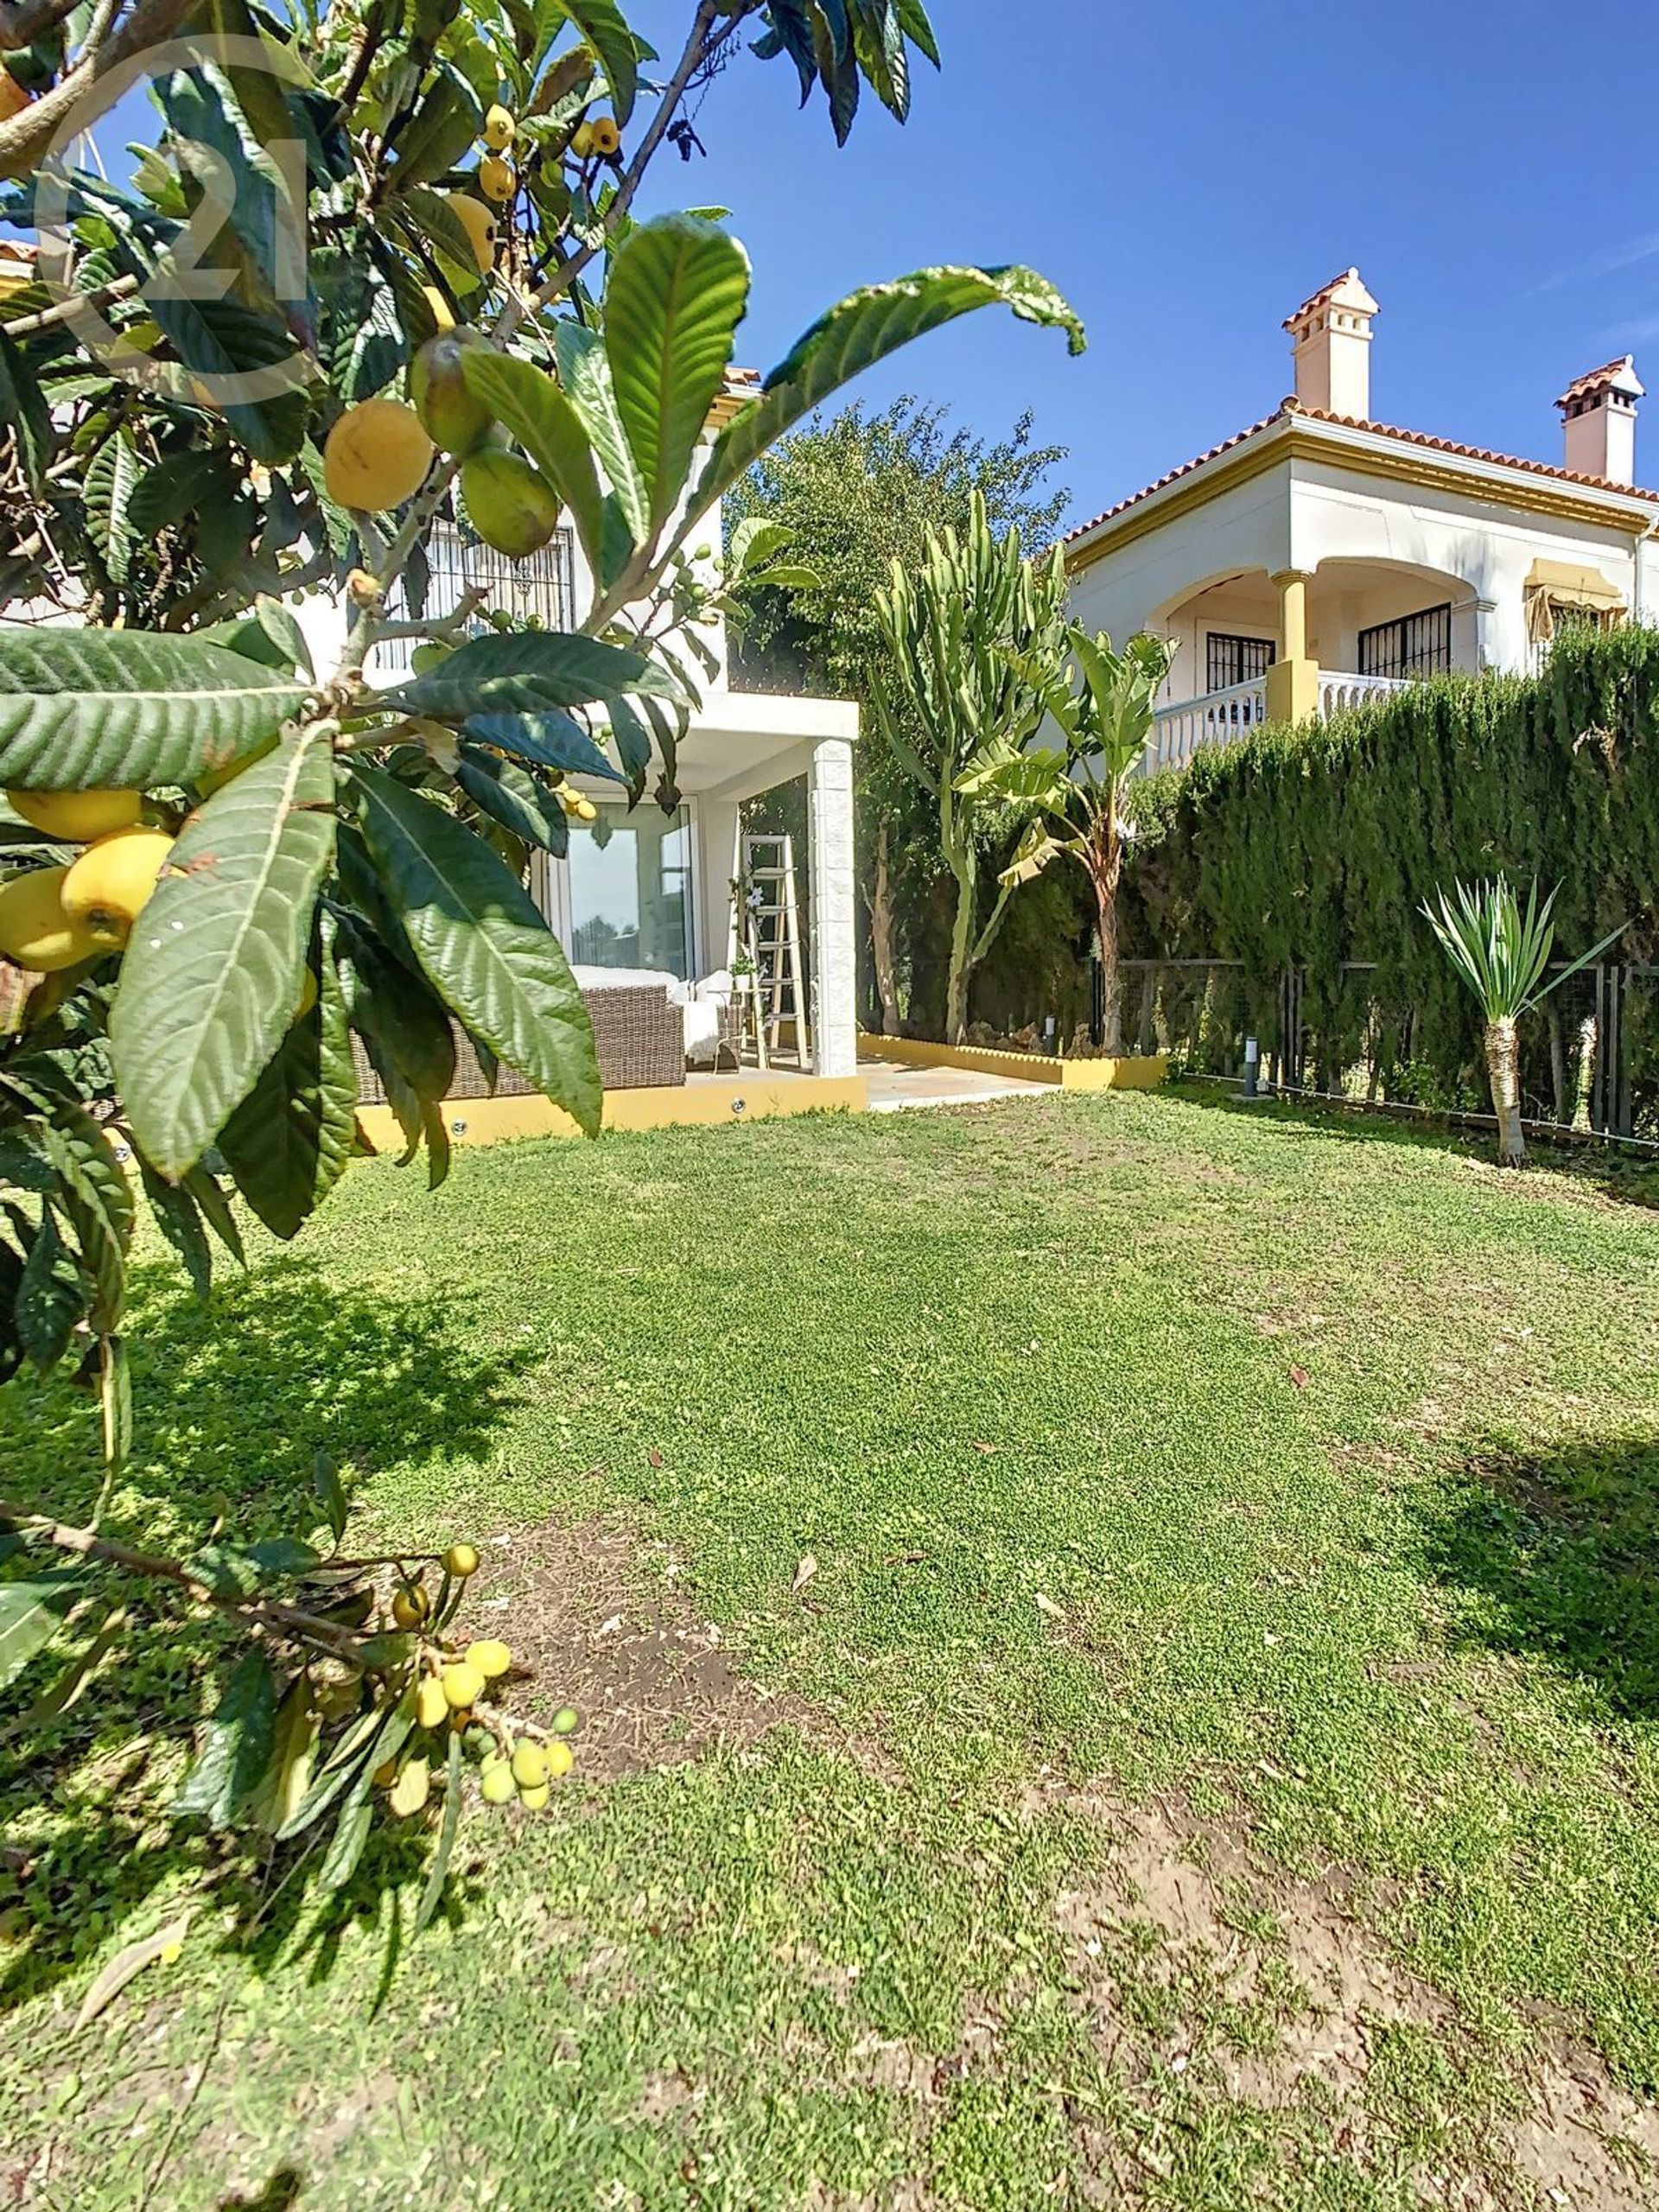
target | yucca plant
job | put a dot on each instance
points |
(1503, 955)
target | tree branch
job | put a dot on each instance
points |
(265, 1616)
(68, 308)
(702, 43)
(83, 95)
(22, 22)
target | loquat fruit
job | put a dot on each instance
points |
(410, 1606)
(511, 506)
(497, 180)
(463, 1684)
(476, 220)
(431, 1705)
(109, 887)
(76, 817)
(34, 931)
(376, 456)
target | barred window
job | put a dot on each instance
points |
(1417, 644)
(539, 591)
(1230, 659)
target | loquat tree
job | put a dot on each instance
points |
(378, 267)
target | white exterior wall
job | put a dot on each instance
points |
(716, 829)
(1247, 527)
(1457, 539)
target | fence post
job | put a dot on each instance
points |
(1610, 1090)
(1290, 1029)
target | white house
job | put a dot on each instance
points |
(645, 896)
(1320, 557)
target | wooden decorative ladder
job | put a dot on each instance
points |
(766, 926)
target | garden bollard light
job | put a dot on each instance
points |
(1252, 1061)
(1050, 1027)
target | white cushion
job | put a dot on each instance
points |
(701, 1029)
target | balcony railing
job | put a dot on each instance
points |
(1339, 693)
(1216, 719)
(1221, 717)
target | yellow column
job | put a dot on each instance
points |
(1294, 679)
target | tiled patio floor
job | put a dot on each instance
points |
(894, 1087)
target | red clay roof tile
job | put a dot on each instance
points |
(1291, 409)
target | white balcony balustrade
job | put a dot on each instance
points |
(1221, 717)
(1216, 719)
(1339, 693)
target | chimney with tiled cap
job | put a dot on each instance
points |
(1330, 346)
(1598, 414)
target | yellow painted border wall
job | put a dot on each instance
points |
(745, 1097)
(1129, 1072)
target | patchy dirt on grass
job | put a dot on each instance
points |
(593, 1624)
(1297, 1951)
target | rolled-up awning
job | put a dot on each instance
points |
(1551, 584)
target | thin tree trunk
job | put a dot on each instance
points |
(1106, 878)
(882, 935)
(955, 989)
(1503, 1072)
(1143, 1035)
(1585, 1075)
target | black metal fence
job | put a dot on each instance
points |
(1589, 1054)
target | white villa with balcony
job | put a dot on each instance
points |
(1320, 557)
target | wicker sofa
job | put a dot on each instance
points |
(638, 1036)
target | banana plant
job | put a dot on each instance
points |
(1503, 955)
(970, 636)
(1104, 719)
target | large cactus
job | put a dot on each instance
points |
(974, 637)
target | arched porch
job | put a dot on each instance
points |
(1253, 647)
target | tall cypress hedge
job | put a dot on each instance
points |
(1316, 848)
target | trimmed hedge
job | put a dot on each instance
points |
(1317, 846)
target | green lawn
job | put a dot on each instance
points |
(1214, 1762)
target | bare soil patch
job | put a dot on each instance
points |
(592, 1625)
(1225, 1923)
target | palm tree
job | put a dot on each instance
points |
(1503, 956)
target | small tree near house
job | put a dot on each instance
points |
(1077, 789)
(969, 636)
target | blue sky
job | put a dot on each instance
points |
(1188, 171)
